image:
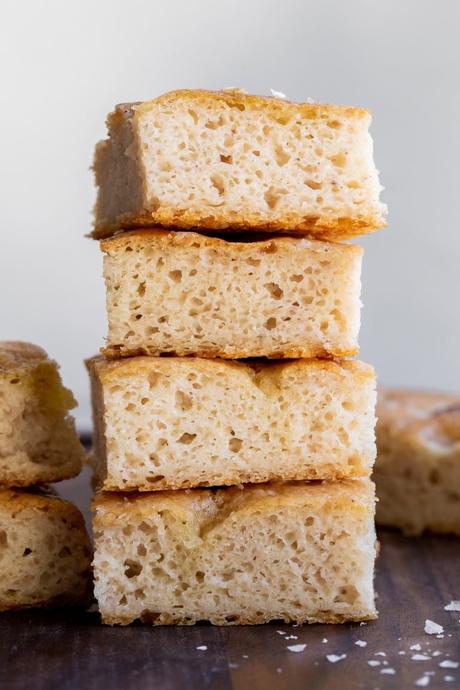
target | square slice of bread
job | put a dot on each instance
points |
(45, 551)
(38, 441)
(189, 294)
(230, 161)
(417, 472)
(297, 552)
(172, 423)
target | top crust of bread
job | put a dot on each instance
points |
(208, 506)
(237, 98)
(194, 239)
(417, 416)
(17, 356)
(136, 207)
(112, 370)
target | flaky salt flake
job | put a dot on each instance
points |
(278, 94)
(388, 671)
(279, 670)
(453, 606)
(281, 632)
(202, 648)
(296, 647)
(420, 657)
(373, 662)
(401, 652)
(291, 637)
(432, 628)
(423, 682)
(447, 663)
(449, 679)
(379, 654)
(334, 658)
(245, 656)
(361, 643)
(324, 640)
(436, 653)
(415, 647)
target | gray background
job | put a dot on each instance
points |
(65, 64)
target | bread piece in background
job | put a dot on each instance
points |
(299, 552)
(417, 472)
(38, 441)
(45, 551)
(171, 423)
(230, 161)
(188, 294)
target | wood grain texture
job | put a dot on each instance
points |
(416, 578)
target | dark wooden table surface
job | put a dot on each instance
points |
(416, 578)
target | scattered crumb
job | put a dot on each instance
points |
(453, 606)
(324, 640)
(361, 643)
(415, 647)
(93, 608)
(279, 670)
(296, 647)
(373, 662)
(432, 628)
(447, 663)
(362, 622)
(420, 657)
(278, 94)
(423, 682)
(334, 658)
(202, 648)
(388, 671)
(245, 656)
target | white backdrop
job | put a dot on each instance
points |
(65, 64)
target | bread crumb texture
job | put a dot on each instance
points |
(296, 552)
(188, 294)
(230, 161)
(170, 423)
(418, 465)
(45, 552)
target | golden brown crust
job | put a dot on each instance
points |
(139, 237)
(109, 370)
(405, 414)
(229, 353)
(327, 228)
(236, 98)
(209, 506)
(39, 498)
(19, 357)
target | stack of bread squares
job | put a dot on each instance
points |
(234, 440)
(44, 548)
